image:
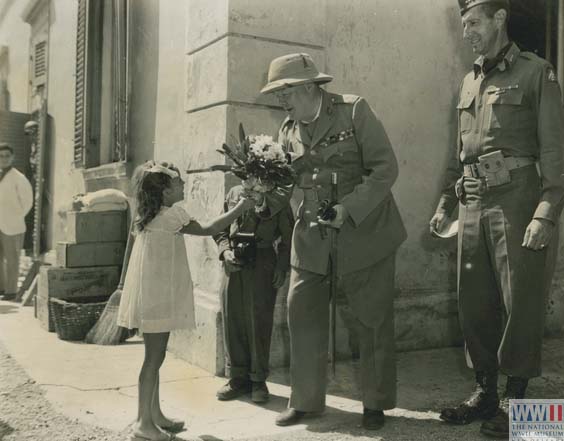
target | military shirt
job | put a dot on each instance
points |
(515, 108)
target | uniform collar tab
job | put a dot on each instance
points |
(512, 52)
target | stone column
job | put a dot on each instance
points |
(229, 44)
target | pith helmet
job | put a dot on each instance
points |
(293, 70)
(466, 5)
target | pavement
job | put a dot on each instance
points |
(97, 385)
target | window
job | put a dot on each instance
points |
(40, 63)
(101, 89)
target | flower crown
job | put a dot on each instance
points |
(164, 167)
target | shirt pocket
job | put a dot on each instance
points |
(507, 109)
(466, 112)
(339, 149)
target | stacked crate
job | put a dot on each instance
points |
(88, 263)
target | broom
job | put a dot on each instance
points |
(106, 331)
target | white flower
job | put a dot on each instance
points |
(264, 147)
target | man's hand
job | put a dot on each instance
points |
(246, 203)
(232, 265)
(340, 217)
(438, 222)
(538, 234)
(279, 278)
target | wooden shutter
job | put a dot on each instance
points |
(120, 75)
(40, 63)
(80, 83)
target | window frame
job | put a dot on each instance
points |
(88, 83)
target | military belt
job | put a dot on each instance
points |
(478, 170)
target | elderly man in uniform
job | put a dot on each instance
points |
(510, 119)
(327, 133)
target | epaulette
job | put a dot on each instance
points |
(534, 57)
(343, 99)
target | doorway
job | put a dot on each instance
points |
(533, 25)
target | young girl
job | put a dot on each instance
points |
(157, 294)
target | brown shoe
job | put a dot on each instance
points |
(235, 388)
(482, 403)
(290, 417)
(260, 392)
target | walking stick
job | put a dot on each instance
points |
(334, 280)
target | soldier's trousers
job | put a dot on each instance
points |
(248, 300)
(10, 249)
(502, 286)
(308, 320)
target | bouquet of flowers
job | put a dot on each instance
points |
(259, 161)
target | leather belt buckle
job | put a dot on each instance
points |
(473, 171)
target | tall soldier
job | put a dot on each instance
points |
(329, 133)
(510, 119)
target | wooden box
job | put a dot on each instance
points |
(77, 255)
(103, 226)
(72, 283)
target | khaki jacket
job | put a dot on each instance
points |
(516, 108)
(350, 140)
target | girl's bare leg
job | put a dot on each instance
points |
(155, 351)
(158, 417)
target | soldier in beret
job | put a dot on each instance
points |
(510, 122)
(328, 133)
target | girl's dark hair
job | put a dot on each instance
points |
(149, 187)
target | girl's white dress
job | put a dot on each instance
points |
(157, 294)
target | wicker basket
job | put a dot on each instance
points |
(73, 320)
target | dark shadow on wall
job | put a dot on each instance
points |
(5, 429)
(144, 63)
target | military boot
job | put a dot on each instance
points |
(498, 426)
(481, 404)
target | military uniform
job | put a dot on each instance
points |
(514, 108)
(248, 296)
(348, 139)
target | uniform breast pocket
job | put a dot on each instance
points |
(339, 149)
(507, 109)
(466, 113)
